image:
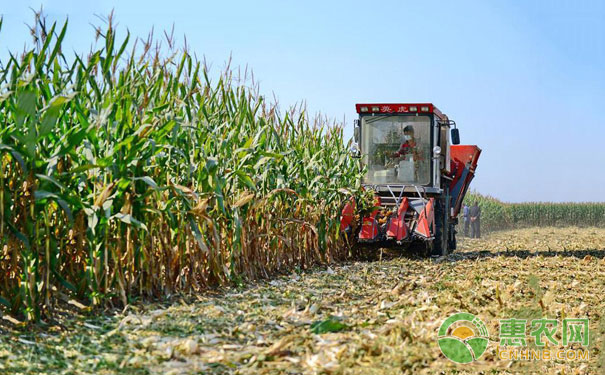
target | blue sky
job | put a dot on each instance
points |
(524, 80)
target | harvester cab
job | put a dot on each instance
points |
(418, 173)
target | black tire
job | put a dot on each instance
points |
(441, 241)
(452, 239)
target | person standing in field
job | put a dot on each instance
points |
(466, 218)
(475, 215)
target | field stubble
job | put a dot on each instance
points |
(378, 317)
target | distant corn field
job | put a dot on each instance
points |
(129, 174)
(497, 215)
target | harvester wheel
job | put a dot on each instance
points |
(441, 236)
(452, 238)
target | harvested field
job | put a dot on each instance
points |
(378, 316)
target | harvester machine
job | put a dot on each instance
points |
(419, 174)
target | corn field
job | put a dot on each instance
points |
(128, 173)
(497, 215)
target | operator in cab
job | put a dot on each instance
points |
(408, 156)
(408, 147)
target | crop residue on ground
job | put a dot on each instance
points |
(379, 316)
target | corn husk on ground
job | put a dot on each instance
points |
(131, 173)
(374, 317)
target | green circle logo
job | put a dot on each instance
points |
(464, 342)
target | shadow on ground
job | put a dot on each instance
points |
(377, 253)
(580, 254)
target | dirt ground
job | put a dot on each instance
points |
(371, 317)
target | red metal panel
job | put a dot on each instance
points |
(465, 154)
(426, 220)
(347, 215)
(397, 229)
(463, 158)
(369, 224)
(369, 229)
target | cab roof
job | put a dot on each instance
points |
(394, 108)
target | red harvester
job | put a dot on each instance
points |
(419, 179)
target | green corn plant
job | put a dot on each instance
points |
(497, 215)
(133, 173)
